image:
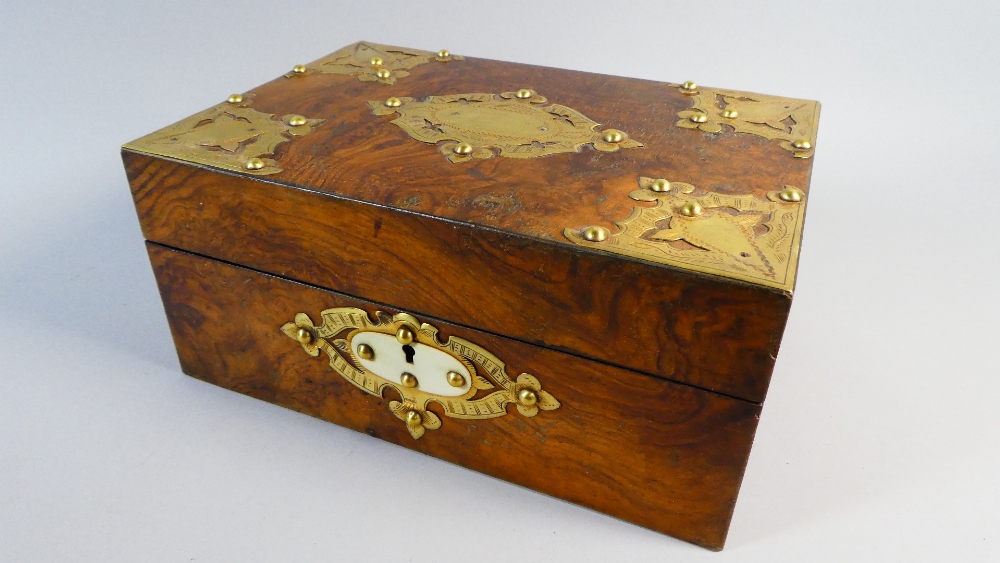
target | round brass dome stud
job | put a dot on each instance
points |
(408, 379)
(790, 195)
(404, 335)
(690, 209)
(613, 136)
(660, 185)
(730, 114)
(595, 233)
(698, 117)
(527, 397)
(444, 54)
(366, 352)
(383, 73)
(304, 335)
(456, 379)
(413, 418)
(393, 102)
(689, 87)
(462, 148)
(295, 120)
(235, 98)
(299, 69)
(376, 61)
(523, 93)
(255, 164)
(802, 144)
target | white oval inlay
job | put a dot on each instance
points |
(429, 365)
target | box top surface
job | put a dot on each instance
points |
(701, 179)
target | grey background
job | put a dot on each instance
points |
(879, 439)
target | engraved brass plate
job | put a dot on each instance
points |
(484, 394)
(513, 124)
(791, 121)
(231, 136)
(738, 237)
(371, 62)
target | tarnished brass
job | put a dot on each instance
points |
(371, 62)
(739, 237)
(791, 121)
(495, 390)
(231, 136)
(511, 124)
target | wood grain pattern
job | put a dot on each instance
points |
(662, 455)
(701, 330)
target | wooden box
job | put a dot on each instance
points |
(574, 282)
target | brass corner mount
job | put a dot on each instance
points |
(371, 62)
(734, 236)
(793, 122)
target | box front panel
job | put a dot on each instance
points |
(711, 333)
(663, 455)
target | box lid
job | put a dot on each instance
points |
(599, 180)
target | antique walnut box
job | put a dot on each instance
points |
(574, 282)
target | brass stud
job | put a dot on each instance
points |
(523, 93)
(790, 195)
(690, 209)
(595, 233)
(295, 120)
(698, 117)
(527, 397)
(462, 148)
(404, 335)
(376, 61)
(304, 335)
(802, 144)
(366, 352)
(383, 73)
(235, 98)
(613, 136)
(689, 87)
(660, 185)
(456, 379)
(413, 418)
(299, 69)
(393, 102)
(730, 114)
(255, 164)
(408, 379)
(444, 54)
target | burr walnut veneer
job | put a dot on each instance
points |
(574, 282)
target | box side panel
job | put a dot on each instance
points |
(703, 331)
(662, 455)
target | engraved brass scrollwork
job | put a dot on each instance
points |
(791, 121)
(371, 62)
(353, 359)
(232, 136)
(738, 237)
(514, 124)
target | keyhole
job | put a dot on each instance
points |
(409, 351)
